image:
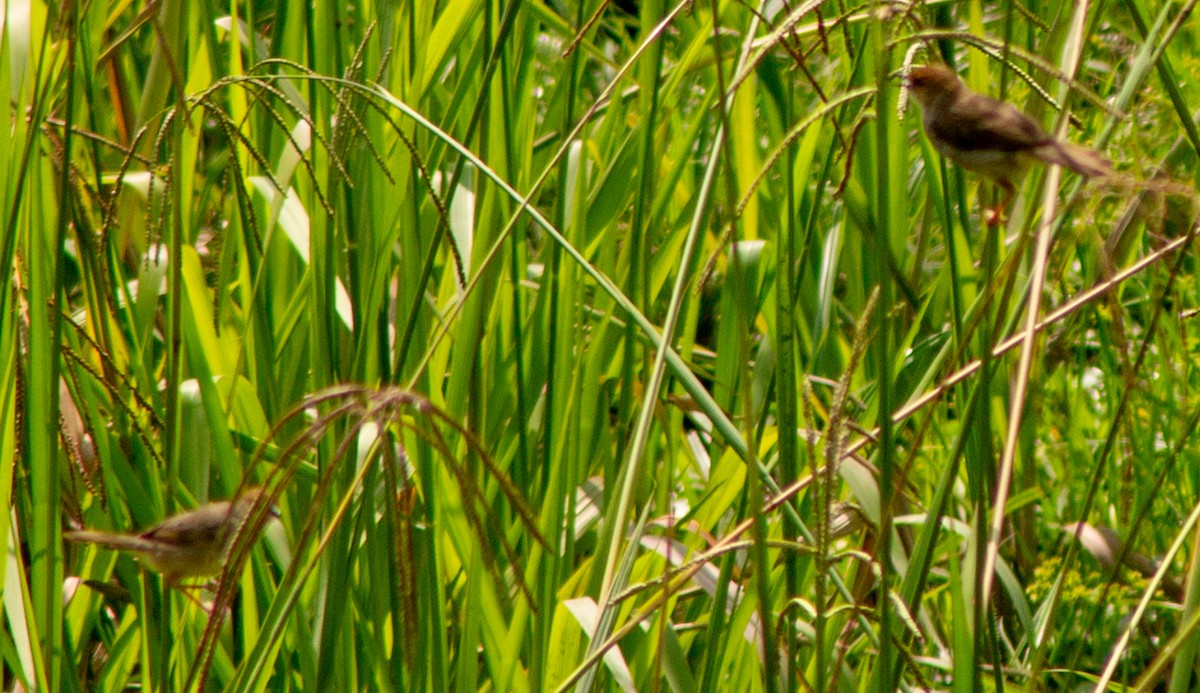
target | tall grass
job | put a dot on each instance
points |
(620, 347)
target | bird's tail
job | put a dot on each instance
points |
(1084, 161)
(121, 542)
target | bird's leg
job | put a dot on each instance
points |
(992, 215)
(175, 582)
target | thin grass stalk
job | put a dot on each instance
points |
(886, 670)
(787, 415)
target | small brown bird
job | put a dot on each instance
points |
(988, 136)
(191, 544)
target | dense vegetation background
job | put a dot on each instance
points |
(621, 347)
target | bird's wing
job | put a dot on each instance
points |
(202, 525)
(981, 122)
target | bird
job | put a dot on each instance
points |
(988, 136)
(191, 544)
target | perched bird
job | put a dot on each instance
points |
(988, 136)
(190, 544)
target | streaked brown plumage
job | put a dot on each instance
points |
(190, 544)
(988, 136)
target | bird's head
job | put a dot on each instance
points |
(932, 84)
